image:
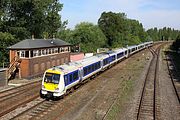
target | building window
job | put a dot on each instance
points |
(66, 49)
(55, 50)
(52, 50)
(62, 49)
(39, 52)
(22, 54)
(27, 53)
(49, 51)
(35, 53)
(31, 53)
(43, 52)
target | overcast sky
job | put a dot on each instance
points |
(151, 13)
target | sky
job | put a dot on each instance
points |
(151, 13)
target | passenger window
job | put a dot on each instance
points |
(70, 77)
(96, 66)
(85, 71)
(75, 75)
(92, 67)
(66, 80)
(89, 69)
(99, 65)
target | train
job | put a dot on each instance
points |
(59, 80)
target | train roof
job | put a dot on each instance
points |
(130, 47)
(65, 68)
(102, 56)
(120, 50)
(89, 60)
(111, 52)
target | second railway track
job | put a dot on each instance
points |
(13, 98)
(148, 105)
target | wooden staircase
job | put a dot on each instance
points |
(13, 66)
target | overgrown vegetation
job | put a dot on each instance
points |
(175, 52)
(163, 34)
(88, 36)
(176, 44)
(20, 19)
(121, 31)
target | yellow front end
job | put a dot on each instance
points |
(51, 82)
(50, 86)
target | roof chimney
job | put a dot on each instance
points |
(32, 36)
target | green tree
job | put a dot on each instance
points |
(113, 25)
(23, 18)
(121, 31)
(6, 39)
(163, 34)
(176, 44)
(88, 36)
(19, 19)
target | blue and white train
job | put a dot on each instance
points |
(57, 81)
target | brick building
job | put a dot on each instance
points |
(31, 57)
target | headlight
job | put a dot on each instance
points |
(43, 86)
(57, 89)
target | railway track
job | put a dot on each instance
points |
(5, 95)
(34, 111)
(148, 108)
(15, 90)
(16, 97)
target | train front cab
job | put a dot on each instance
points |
(52, 84)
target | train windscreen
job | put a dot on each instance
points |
(52, 78)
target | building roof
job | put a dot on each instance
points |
(39, 43)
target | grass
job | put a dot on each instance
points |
(117, 107)
(126, 88)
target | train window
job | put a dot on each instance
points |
(70, 77)
(89, 69)
(93, 67)
(96, 66)
(114, 57)
(99, 64)
(126, 52)
(66, 79)
(85, 71)
(105, 61)
(52, 78)
(119, 55)
(75, 75)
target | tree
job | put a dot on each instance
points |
(19, 19)
(6, 39)
(121, 31)
(23, 18)
(88, 36)
(163, 34)
(113, 25)
(176, 44)
(53, 19)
